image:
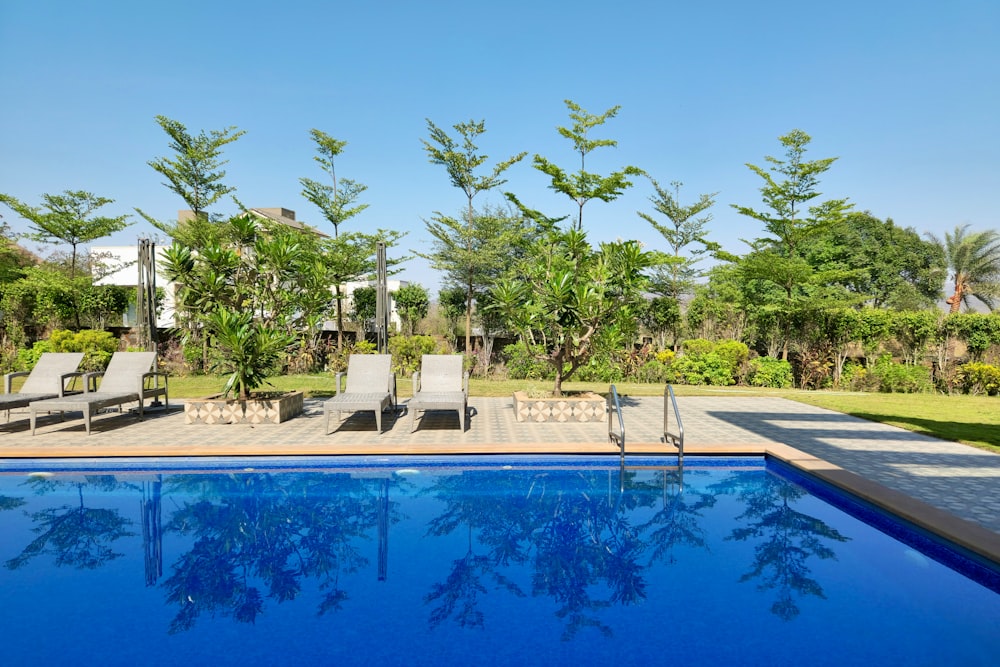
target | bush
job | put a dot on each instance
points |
(855, 377)
(977, 378)
(337, 360)
(97, 347)
(698, 346)
(736, 355)
(523, 362)
(894, 377)
(770, 372)
(406, 352)
(701, 369)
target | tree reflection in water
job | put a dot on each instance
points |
(572, 529)
(75, 535)
(787, 538)
(271, 530)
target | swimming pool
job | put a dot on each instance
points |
(480, 561)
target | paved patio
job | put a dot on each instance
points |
(955, 480)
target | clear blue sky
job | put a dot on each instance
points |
(906, 93)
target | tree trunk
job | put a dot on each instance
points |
(340, 319)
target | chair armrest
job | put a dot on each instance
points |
(89, 379)
(155, 375)
(62, 381)
(416, 382)
(336, 379)
(9, 378)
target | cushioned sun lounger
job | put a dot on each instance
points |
(129, 378)
(371, 385)
(440, 384)
(46, 380)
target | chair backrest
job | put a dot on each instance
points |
(124, 370)
(369, 373)
(441, 372)
(44, 377)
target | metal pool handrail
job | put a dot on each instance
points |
(676, 439)
(615, 408)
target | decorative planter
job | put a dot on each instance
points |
(259, 410)
(580, 408)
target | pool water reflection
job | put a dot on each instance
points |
(419, 562)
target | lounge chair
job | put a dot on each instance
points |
(46, 380)
(440, 384)
(371, 385)
(126, 380)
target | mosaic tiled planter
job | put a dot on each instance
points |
(580, 408)
(267, 410)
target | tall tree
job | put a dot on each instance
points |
(974, 264)
(474, 255)
(68, 218)
(887, 265)
(582, 186)
(677, 275)
(195, 171)
(790, 184)
(461, 159)
(336, 201)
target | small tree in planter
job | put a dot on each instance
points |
(571, 295)
(253, 289)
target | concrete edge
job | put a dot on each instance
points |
(966, 534)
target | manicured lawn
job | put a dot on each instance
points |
(974, 420)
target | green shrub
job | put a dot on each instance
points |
(523, 362)
(701, 369)
(736, 354)
(97, 346)
(893, 377)
(27, 358)
(977, 378)
(337, 360)
(855, 377)
(770, 372)
(655, 371)
(698, 346)
(406, 352)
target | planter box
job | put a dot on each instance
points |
(267, 410)
(582, 408)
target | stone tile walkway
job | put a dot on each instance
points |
(952, 477)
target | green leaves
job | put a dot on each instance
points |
(583, 186)
(250, 350)
(194, 173)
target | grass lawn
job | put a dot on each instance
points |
(973, 420)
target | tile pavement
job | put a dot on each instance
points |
(952, 477)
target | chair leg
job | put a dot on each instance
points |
(32, 417)
(413, 418)
(378, 420)
(461, 418)
(86, 418)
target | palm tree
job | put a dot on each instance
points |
(974, 263)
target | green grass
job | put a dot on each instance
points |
(973, 420)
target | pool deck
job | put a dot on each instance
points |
(948, 488)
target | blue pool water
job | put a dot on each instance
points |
(486, 562)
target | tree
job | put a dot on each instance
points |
(336, 201)
(194, 173)
(789, 186)
(676, 276)
(887, 265)
(365, 306)
(451, 301)
(570, 296)
(461, 163)
(582, 186)
(661, 316)
(68, 218)
(973, 260)
(475, 254)
(412, 302)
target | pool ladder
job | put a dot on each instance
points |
(675, 439)
(617, 437)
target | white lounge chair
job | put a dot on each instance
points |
(129, 378)
(371, 385)
(440, 384)
(46, 380)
